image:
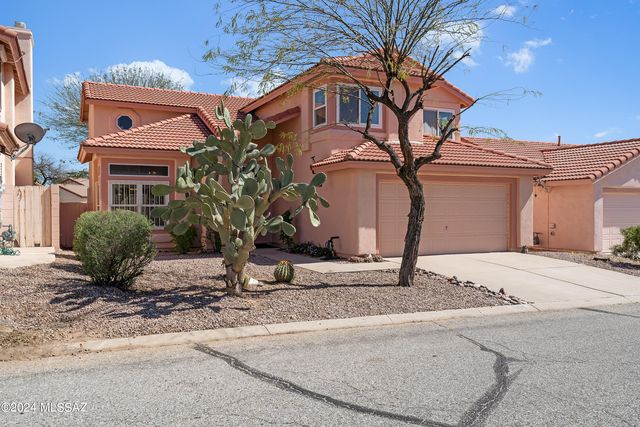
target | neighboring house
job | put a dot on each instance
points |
(480, 194)
(74, 190)
(16, 106)
(592, 193)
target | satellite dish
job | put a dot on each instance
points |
(29, 133)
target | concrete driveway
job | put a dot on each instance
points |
(535, 278)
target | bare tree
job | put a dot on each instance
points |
(62, 113)
(406, 46)
(47, 170)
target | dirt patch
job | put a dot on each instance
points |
(622, 265)
(56, 302)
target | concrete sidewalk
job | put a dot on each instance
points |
(536, 279)
(321, 266)
(27, 257)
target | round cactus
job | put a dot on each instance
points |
(284, 272)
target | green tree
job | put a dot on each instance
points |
(62, 113)
(410, 45)
(232, 190)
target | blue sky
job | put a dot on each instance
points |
(581, 56)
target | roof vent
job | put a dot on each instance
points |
(559, 140)
(20, 24)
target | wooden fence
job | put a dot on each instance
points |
(36, 215)
(69, 213)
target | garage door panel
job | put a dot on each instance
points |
(620, 211)
(460, 217)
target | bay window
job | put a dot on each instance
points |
(354, 106)
(435, 120)
(319, 107)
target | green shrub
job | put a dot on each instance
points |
(184, 242)
(114, 247)
(630, 247)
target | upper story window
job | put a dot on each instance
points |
(138, 170)
(435, 120)
(124, 122)
(354, 106)
(319, 107)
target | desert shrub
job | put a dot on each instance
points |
(183, 242)
(310, 248)
(630, 247)
(114, 247)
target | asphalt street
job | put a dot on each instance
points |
(578, 367)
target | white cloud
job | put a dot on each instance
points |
(461, 37)
(241, 87)
(536, 43)
(602, 134)
(505, 10)
(522, 59)
(177, 74)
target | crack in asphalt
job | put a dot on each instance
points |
(289, 386)
(478, 413)
(596, 310)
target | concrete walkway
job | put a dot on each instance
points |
(320, 266)
(536, 279)
(27, 257)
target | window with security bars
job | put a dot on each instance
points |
(137, 197)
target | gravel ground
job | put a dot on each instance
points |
(56, 302)
(623, 265)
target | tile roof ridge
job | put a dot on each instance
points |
(139, 128)
(469, 137)
(595, 144)
(353, 152)
(181, 91)
(503, 153)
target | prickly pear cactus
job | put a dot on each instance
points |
(231, 191)
(284, 272)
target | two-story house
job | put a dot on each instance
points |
(16, 106)
(480, 194)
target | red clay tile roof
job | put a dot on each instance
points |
(453, 154)
(170, 134)
(590, 161)
(529, 149)
(164, 97)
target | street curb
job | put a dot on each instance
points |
(211, 335)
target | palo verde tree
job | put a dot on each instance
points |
(231, 191)
(409, 46)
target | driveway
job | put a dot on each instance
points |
(536, 279)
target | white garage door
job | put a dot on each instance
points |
(459, 218)
(620, 211)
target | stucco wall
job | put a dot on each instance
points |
(102, 118)
(567, 211)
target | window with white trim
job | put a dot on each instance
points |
(354, 106)
(136, 197)
(435, 120)
(319, 107)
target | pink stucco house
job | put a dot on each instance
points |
(482, 195)
(16, 106)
